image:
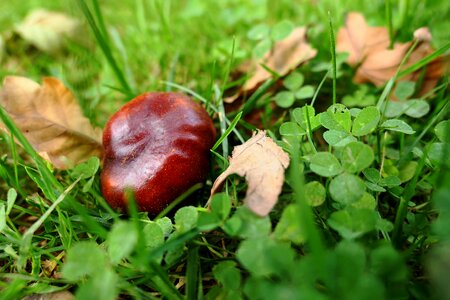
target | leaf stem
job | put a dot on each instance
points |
(306, 218)
(333, 56)
(404, 200)
(388, 14)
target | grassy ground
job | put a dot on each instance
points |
(391, 241)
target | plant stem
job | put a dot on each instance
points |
(388, 12)
(333, 56)
(306, 219)
(404, 200)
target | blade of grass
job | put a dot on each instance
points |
(28, 235)
(163, 283)
(222, 121)
(403, 7)
(250, 103)
(390, 84)
(179, 199)
(306, 217)
(192, 274)
(173, 243)
(105, 46)
(424, 61)
(227, 132)
(408, 193)
(316, 93)
(309, 132)
(388, 15)
(101, 21)
(134, 218)
(437, 114)
(52, 185)
(333, 56)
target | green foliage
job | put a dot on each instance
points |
(325, 164)
(366, 121)
(295, 90)
(364, 213)
(347, 188)
(356, 157)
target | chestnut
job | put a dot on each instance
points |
(158, 146)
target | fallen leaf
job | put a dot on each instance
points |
(262, 163)
(381, 66)
(368, 47)
(63, 295)
(51, 119)
(46, 30)
(285, 56)
(359, 40)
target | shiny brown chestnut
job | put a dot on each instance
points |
(158, 146)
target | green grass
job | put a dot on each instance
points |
(364, 212)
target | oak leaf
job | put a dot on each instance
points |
(285, 56)
(51, 119)
(262, 163)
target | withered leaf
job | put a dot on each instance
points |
(359, 40)
(262, 163)
(285, 56)
(369, 47)
(382, 65)
(62, 295)
(51, 119)
(47, 30)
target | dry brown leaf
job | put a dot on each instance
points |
(63, 295)
(285, 56)
(262, 163)
(368, 46)
(359, 40)
(381, 66)
(51, 119)
(47, 30)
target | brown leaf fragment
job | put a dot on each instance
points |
(63, 295)
(359, 40)
(368, 47)
(51, 119)
(262, 163)
(381, 66)
(46, 30)
(285, 56)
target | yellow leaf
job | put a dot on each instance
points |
(51, 119)
(262, 163)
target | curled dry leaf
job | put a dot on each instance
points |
(51, 119)
(47, 30)
(359, 40)
(285, 56)
(262, 163)
(368, 46)
(381, 66)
